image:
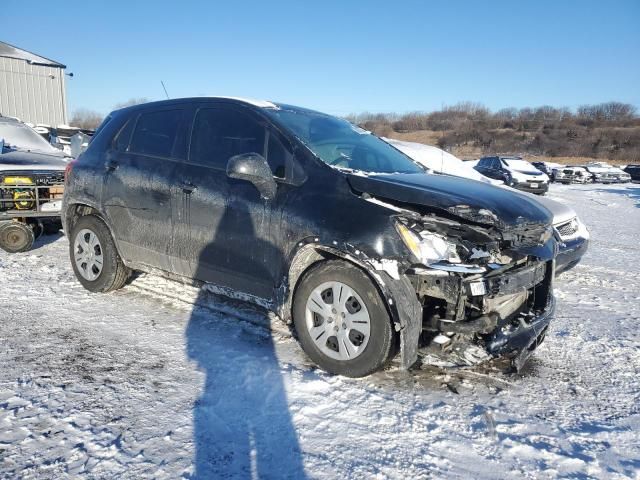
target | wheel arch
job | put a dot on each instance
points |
(75, 211)
(305, 258)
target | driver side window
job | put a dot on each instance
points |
(220, 133)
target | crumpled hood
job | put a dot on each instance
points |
(19, 160)
(464, 198)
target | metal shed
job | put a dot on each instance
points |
(32, 88)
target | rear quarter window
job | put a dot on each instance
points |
(155, 133)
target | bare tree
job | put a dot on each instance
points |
(84, 118)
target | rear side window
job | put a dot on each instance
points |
(221, 133)
(155, 133)
(121, 142)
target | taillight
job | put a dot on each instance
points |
(68, 169)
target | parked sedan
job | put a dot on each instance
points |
(602, 172)
(439, 161)
(515, 172)
(547, 168)
(569, 175)
(572, 232)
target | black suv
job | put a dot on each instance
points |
(346, 237)
(634, 171)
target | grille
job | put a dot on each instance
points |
(567, 229)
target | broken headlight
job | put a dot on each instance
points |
(427, 247)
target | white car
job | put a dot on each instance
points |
(604, 173)
(571, 175)
(439, 161)
(572, 232)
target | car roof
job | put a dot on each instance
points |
(173, 101)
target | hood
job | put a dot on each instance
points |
(19, 160)
(468, 199)
(561, 213)
(537, 173)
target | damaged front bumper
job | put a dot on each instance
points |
(503, 314)
(518, 341)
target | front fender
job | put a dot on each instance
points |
(399, 295)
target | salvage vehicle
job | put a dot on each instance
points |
(339, 233)
(568, 175)
(602, 172)
(31, 186)
(515, 172)
(547, 168)
(633, 171)
(572, 233)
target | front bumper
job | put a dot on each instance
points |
(518, 342)
(540, 189)
(570, 254)
(518, 306)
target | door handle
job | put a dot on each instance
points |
(111, 165)
(187, 187)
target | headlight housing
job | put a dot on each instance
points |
(427, 247)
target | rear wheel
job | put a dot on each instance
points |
(341, 320)
(94, 257)
(16, 237)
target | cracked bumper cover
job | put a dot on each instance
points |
(520, 342)
(517, 343)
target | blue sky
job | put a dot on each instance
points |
(339, 56)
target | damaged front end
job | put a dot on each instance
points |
(484, 288)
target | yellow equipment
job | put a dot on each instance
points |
(24, 199)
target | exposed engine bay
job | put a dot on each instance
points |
(485, 287)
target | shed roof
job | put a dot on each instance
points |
(9, 51)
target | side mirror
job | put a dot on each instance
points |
(253, 168)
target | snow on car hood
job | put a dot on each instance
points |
(561, 213)
(20, 160)
(439, 161)
(458, 196)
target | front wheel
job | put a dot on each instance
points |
(94, 256)
(341, 320)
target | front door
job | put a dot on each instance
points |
(230, 232)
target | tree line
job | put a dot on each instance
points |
(608, 130)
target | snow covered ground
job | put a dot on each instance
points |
(140, 384)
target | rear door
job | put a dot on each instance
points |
(139, 192)
(229, 234)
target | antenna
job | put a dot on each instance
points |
(165, 89)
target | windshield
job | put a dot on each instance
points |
(342, 144)
(521, 165)
(21, 137)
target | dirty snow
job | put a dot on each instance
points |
(141, 384)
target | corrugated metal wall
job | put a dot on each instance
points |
(32, 93)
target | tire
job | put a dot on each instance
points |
(111, 273)
(16, 237)
(347, 350)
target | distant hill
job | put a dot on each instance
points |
(609, 131)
